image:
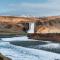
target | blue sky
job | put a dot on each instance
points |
(30, 7)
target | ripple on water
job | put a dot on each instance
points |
(23, 53)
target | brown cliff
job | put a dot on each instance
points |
(42, 24)
(48, 25)
(11, 24)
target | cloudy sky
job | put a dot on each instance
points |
(30, 7)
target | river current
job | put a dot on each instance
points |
(34, 50)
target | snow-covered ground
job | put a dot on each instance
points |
(22, 38)
(23, 53)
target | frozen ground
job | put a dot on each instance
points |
(22, 53)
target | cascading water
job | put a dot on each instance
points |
(31, 28)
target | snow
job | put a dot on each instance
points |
(21, 38)
(23, 53)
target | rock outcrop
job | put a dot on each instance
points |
(2, 57)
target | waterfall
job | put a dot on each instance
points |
(31, 28)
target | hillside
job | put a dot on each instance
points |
(13, 25)
(16, 25)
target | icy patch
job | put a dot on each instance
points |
(22, 53)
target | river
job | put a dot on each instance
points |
(22, 48)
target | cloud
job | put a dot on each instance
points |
(51, 7)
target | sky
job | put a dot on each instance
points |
(30, 7)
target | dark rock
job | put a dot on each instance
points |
(2, 57)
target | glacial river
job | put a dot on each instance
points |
(22, 48)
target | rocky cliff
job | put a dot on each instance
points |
(48, 25)
(11, 24)
(47, 28)
(42, 24)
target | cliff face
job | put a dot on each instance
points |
(48, 25)
(13, 24)
(47, 29)
(15, 20)
(42, 25)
